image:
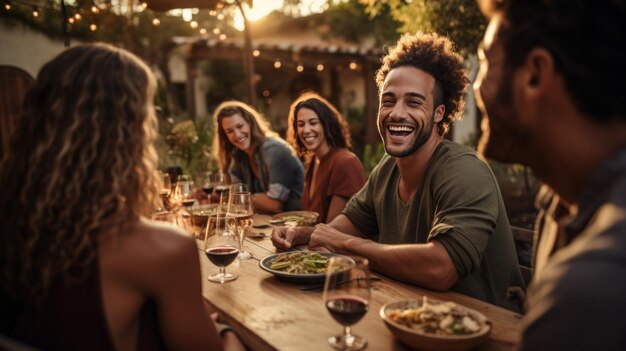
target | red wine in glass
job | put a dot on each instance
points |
(222, 256)
(207, 190)
(347, 310)
(221, 189)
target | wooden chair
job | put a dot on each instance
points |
(524, 243)
(14, 82)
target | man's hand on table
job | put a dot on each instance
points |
(285, 238)
(328, 239)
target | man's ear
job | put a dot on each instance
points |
(439, 111)
(538, 71)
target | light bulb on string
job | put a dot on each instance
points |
(223, 36)
(71, 20)
(193, 24)
(277, 64)
(95, 9)
(203, 31)
(256, 53)
(320, 67)
(156, 22)
(300, 68)
(35, 12)
(93, 27)
(7, 6)
(220, 16)
(78, 16)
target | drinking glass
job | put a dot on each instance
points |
(183, 192)
(239, 219)
(346, 297)
(221, 251)
(211, 181)
(165, 188)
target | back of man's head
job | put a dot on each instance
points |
(585, 39)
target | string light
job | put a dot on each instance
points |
(71, 20)
(216, 31)
(220, 16)
(256, 53)
(7, 6)
(277, 64)
(144, 5)
(353, 65)
(212, 13)
(193, 24)
(78, 16)
(219, 5)
(320, 67)
(35, 12)
(93, 27)
(266, 93)
(203, 31)
(156, 22)
(222, 36)
(95, 9)
(300, 68)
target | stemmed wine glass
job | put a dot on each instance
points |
(221, 251)
(239, 218)
(212, 181)
(183, 191)
(346, 296)
(165, 188)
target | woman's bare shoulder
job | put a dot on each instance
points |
(148, 245)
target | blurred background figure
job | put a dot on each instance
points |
(551, 86)
(254, 154)
(333, 173)
(82, 267)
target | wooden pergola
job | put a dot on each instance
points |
(305, 54)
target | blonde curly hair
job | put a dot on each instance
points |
(81, 165)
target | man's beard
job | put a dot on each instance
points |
(421, 137)
(505, 135)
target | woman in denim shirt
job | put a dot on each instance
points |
(254, 154)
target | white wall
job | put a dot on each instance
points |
(22, 47)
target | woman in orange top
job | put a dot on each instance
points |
(333, 173)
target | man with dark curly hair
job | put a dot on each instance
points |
(431, 213)
(551, 85)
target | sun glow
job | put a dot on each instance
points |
(262, 8)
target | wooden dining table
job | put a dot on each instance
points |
(269, 314)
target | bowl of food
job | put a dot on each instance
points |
(299, 267)
(430, 324)
(295, 218)
(200, 214)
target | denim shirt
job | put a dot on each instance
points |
(281, 173)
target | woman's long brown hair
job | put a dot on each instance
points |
(81, 165)
(259, 130)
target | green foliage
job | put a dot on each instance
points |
(371, 157)
(349, 20)
(461, 20)
(186, 143)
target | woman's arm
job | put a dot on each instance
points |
(337, 204)
(266, 204)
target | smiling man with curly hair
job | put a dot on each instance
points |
(431, 213)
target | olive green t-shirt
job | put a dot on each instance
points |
(460, 205)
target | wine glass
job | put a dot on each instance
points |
(183, 191)
(221, 251)
(346, 297)
(211, 181)
(165, 188)
(239, 219)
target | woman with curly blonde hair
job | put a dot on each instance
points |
(81, 267)
(254, 154)
(333, 173)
